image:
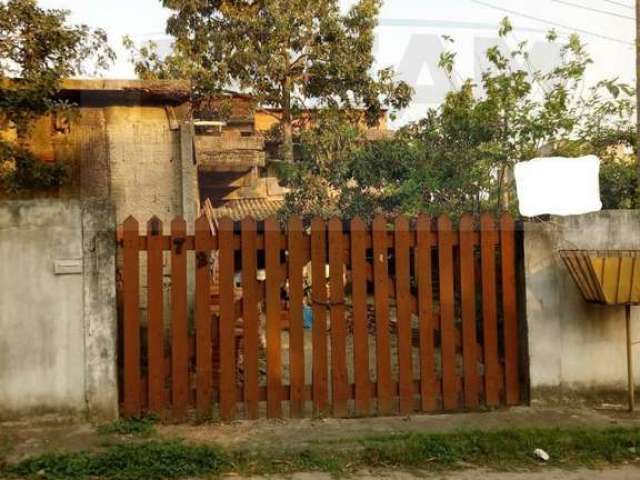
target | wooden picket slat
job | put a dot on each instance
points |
(215, 342)
(339, 386)
(428, 392)
(131, 320)
(489, 311)
(359, 315)
(250, 315)
(179, 330)
(447, 327)
(155, 325)
(319, 329)
(204, 352)
(510, 314)
(296, 321)
(272, 300)
(403, 314)
(227, 320)
(381, 294)
(468, 300)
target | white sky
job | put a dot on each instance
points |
(410, 30)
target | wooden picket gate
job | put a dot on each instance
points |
(418, 317)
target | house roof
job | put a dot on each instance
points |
(124, 85)
(258, 208)
(178, 89)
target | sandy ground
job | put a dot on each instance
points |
(625, 473)
(19, 440)
(300, 433)
(24, 438)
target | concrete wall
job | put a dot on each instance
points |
(576, 350)
(144, 157)
(57, 308)
(126, 147)
(151, 169)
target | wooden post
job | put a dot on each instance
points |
(627, 311)
(319, 329)
(251, 319)
(296, 266)
(227, 321)
(179, 324)
(429, 387)
(381, 298)
(447, 313)
(273, 329)
(131, 321)
(360, 325)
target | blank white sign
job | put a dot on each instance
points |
(558, 186)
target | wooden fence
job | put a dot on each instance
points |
(418, 317)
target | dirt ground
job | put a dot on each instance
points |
(19, 440)
(625, 473)
(301, 433)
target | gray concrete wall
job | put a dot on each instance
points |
(144, 157)
(576, 350)
(152, 173)
(57, 329)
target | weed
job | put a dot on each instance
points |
(502, 449)
(152, 460)
(141, 426)
(6, 447)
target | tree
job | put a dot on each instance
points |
(459, 157)
(38, 48)
(422, 169)
(291, 54)
(638, 100)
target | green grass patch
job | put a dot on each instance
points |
(143, 426)
(6, 447)
(314, 459)
(502, 450)
(153, 460)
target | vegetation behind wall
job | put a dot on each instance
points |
(460, 156)
(39, 48)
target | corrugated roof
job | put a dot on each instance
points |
(258, 208)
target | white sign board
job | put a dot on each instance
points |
(558, 186)
(67, 266)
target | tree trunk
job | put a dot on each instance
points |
(637, 205)
(506, 183)
(286, 123)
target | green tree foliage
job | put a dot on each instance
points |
(38, 48)
(341, 174)
(460, 156)
(291, 54)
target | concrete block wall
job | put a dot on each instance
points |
(152, 173)
(57, 309)
(144, 157)
(576, 350)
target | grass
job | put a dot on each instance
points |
(143, 426)
(506, 449)
(153, 460)
(6, 447)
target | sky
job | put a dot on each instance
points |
(409, 36)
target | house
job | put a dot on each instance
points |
(128, 142)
